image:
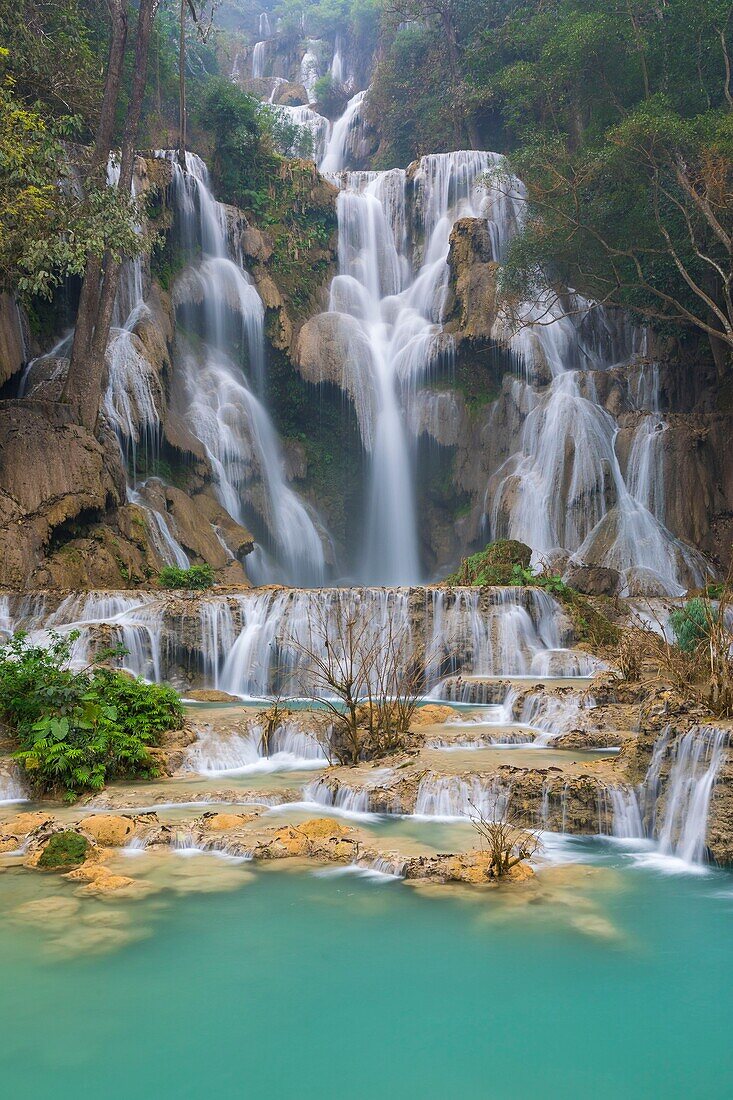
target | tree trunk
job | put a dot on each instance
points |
(182, 88)
(94, 317)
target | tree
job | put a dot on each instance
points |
(203, 30)
(368, 678)
(507, 844)
(623, 122)
(85, 378)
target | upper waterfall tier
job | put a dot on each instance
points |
(222, 398)
(261, 642)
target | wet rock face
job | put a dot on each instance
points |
(593, 580)
(471, 307)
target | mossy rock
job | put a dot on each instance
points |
(67, 849)
(494, 564)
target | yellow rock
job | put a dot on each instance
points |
(23, 824)
(100, 879)
(109, 830)
(433, 714)
(222, 823)
(320, 827)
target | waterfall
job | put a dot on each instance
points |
(305, 118)
(258, 60)
(451, 797)
(388, 319)
(290, 749)
(679, 827)
(310, 69)
(338, 68)
(344, 137)
(224, 407)
(256, 643)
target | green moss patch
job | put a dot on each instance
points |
(67, 849)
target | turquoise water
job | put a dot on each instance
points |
(302, 985)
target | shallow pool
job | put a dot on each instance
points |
(283, 984)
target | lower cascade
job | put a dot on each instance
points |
(674, 814)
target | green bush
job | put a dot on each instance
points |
(78, 730)
(330, 96)
(66, 849)
(197, 577)
(505, 561)
(691, 624)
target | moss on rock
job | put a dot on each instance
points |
(66, 849)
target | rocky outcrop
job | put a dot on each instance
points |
(471, 307)
(53, 473)
(592, 580)
(12, 350)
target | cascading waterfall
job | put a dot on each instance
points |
(449, 797)
(223, 407)
(389, 319)
(256, 643)
(675, 813)
(289, 748)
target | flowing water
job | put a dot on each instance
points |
(223, 403)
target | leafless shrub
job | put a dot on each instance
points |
(697, 662)
(507, 843)
(368, 680)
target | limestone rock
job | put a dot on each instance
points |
(433, 714)
(211, 695)
(52, 472)
(471, 307)
(592, 580)
(291, 95)
(109, 830)
(11, 338)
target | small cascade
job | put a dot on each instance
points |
(11, 786)
(673, 813)
(310, 66)
(305, 118)
(505, 637)
(167, 547)
(290, 748)
(344, 137)
(451, 797)
(350, 800)
(217, 298)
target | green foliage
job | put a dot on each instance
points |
(502, 562)
(330, 96)
(78, 730)
(66, 849)
(691, 623)
(197, 577)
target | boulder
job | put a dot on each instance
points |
(433, 714)
(108, 830)
(592, 580)
(211, 695)
(494, 565)
(291, 95)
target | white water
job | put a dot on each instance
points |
(679, 827)
(388, 314)
(290, 749)
(450, 797)
(222, 404)
(255, 643)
